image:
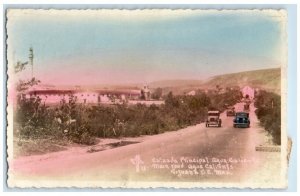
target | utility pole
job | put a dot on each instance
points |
(31, 60)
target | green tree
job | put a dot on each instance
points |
(157, 93)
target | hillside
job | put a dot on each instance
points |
(268, 79)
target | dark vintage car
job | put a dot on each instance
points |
(230, 111)
(241, 119)
(213, 118)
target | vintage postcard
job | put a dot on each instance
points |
(114, 98)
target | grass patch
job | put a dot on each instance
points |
(38, 147)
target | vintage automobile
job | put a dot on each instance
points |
(230, 111)
(213, 118)
(241, 119)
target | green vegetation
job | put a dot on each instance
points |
(157, 94)
(81, 123)
(269, 113)
(34, 120)
(220, 101)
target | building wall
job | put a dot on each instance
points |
(83, 97)
(87, 97)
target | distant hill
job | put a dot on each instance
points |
(268, 79)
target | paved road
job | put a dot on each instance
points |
(194, 154)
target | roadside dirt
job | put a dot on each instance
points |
(25, 148)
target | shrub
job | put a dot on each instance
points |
(122, 120)
(36, 121)
(157, 93)
(269, 113)
(219, 101)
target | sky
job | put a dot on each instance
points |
(141, 46)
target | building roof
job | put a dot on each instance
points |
(73, 91)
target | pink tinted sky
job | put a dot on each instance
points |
(99, 49)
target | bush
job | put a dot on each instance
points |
(82, 123)
(219, 101)
(136, 120)
(157, 93)
(37, 121)
(269, 113)
(33, 119)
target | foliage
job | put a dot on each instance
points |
(269, 113)
(34, 119)
(20, 66)
(24, 85)
(37, 121)
(82, 123)
(123, 120)
(157, 93)
(143, 96)
(219, 101)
